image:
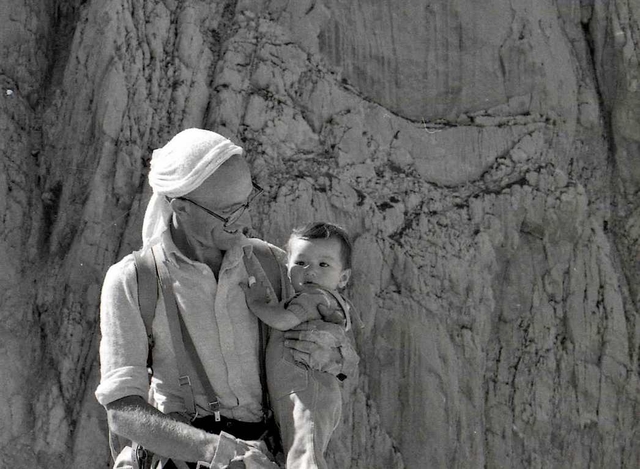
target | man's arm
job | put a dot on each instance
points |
(124, 378)
(168, 436)
(135, 419)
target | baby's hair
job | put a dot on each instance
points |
(325, 230)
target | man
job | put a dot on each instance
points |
(197, 216)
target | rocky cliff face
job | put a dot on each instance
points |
(485, 155)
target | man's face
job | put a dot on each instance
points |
(225, 191)
(316, 262)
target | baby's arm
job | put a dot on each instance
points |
(274, 315)
(263, 304)
(316, 299)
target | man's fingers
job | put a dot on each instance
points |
(303, 346)
(258, 460)
(322, 326)
(328, 361)
(318, 338)
(316, 332)
(322, 346)
(304, 358)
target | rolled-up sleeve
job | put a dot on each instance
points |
(123, 345)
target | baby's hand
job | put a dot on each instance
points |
(332, 313)
(257, 289)
(258, 292)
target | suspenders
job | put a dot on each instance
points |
(154, 278)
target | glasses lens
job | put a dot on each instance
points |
(235, 216)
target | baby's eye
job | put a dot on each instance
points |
(324, 264)
(299, 262)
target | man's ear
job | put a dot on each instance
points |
(178, 206)
(345, 275)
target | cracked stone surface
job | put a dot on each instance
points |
(485, 157)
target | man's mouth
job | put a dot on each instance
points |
(242, 230)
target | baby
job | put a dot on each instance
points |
(306, 403)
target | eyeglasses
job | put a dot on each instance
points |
(237, 213)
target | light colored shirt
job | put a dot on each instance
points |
(224, 332)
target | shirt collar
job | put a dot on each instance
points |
(235, 255)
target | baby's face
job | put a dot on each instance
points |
(316, 262)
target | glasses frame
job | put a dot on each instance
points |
(237, 213)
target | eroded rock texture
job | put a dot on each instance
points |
(485, 155)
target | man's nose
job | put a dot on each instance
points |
(244, 223)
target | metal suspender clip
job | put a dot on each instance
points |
(214, 406)
(184, 380)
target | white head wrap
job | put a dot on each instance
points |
(177, 169)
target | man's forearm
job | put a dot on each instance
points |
(132, 418)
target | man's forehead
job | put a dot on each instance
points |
(230, 183)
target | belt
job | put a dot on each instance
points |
(242, 430)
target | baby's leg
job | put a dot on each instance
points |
(307, 419)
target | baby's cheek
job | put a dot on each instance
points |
(295, 274)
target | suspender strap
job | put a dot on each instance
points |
(181, 339)
(147, 277)
(262, 340)
(343, 304)
(274, 271)
(174, 329)
(214, 403)
(183, 345)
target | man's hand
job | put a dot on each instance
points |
(254, 456)
(233, 453)
(323, 346)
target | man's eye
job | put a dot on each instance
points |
(231, 210)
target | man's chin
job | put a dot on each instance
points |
(233, 240)
(228, 240)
